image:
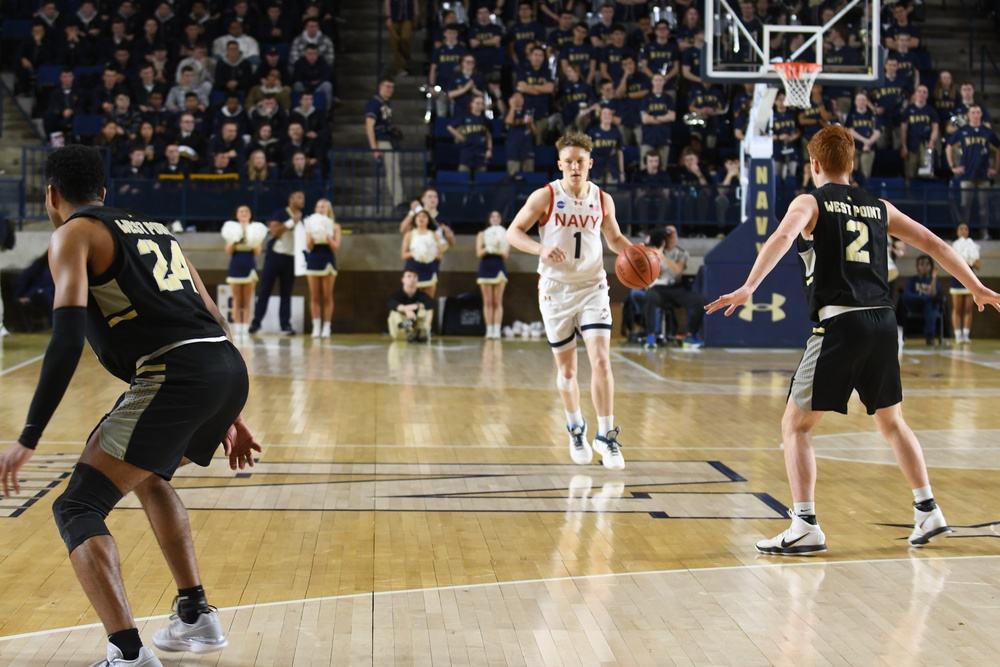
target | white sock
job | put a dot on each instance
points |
(316, 327)
(804, 509)
(326, 330)
(965, 334)
(605, 424)
(922, 494)
(496, 330)
(574, 418)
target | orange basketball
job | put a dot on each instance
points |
(637, 267)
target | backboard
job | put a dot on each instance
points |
(740, 47)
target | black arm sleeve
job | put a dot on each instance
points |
(61, 359)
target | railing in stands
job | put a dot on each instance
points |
(984, 53)
(11, 198)
(360, 190)
(5, 90)
(33, 176)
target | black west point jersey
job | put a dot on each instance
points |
(848, 264)
(147, 300)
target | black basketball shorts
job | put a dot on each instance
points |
(854, 350)
(179, 404)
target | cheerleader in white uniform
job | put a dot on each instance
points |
(244, 240)
(422, 251)
(322, 243)
(961, 298)
(492, 249)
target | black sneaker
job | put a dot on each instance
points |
(288, 331)
(254, 328)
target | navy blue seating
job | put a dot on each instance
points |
(87, 125)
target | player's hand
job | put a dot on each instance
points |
(958, 171)
(239, 444)
(12, 460)
(730, 301)
(552, 254)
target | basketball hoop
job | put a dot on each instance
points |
(798, 79)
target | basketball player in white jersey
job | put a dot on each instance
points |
(572, 213)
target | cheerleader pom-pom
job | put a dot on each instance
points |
(495, 240)
(256, 233)
(424, 248)
(318, 226)
(232, 231)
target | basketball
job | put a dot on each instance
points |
(637, 267)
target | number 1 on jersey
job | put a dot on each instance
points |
(579, 243)
(172, 281)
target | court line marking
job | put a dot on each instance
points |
(17, 367)
(521, 582)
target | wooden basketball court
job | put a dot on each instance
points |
(415, 505)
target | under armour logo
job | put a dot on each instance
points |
(777, 314)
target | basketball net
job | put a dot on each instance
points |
(798, 79)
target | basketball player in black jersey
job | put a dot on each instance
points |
(122, 280)
(854, 343)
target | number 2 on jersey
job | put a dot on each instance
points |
(854, 248)
(171, 281)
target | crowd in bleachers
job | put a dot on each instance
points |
(235, 89)
(629, 74)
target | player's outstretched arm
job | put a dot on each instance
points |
(907, 229)
(612, 231)
(536, 208)
(207, 298)
(801, 216)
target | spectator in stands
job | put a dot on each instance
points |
(960, 115)
(919, 135)
(465, 83)
(312, 35)
(265, 142)
(486, 43)
(421, 250)
(313, 74)
(979, 156)
(227, 140)
(116, 144)
(838, 54)
(819, 114)
(34, 287)
(472, 133)
(575, 100)
(137, 167)
(662, 56)
(411, 311)
(520, 142)
(268, 112)
(172, 165)
(127, 118)
(75, 48)
(608, 156)
(170, 26)
(31, 54)
(297, 169)
(191, 143)
(691, 60)
(653, 191)
(612, 55)
(240, 11)
(102, 98)
(271, 60)
(143, 44)
(175, 100)
(279, 263)
(382, 133)
(444, 62)
(710, 104)
(271, 85)
(523, 31)
(562, 34)
(535, 83)
(600, 32)
(152, 144)
(922, 294)
(945, 98)
(249, 48)
(695, 188)
(232, 110)
(606, 98)
(129, 17)
(401, 15)
(163, 65)
(190, 37)
(143, 88)
(90, 20)
(908, 62)
(688, 29)
(296, 142)
(64, 105)
(642, 35)
(901, 24)
(866, 128)
(194, 107)
(256, 168)
(274, 28)
(579, 52)
(203, 65)
(632, 88)
(726, 182)
(658, 116)
(232, 72)
(220, 165)
(667, 292)
(786, 135)
(314, 123)
(117, 38)
(48, 14)
(890, 100)
(126, 68)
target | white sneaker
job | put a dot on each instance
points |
(801, 539)
(146, 659)
(325, 333)
(204, 636)
(578, 449)
(3, 331)
(609, 449)
(927, 526)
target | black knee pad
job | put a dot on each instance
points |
(82, 508)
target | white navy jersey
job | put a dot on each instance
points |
(574, 226)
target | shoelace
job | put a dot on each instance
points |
(173, 608)
(577, 435)
(612, 442)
